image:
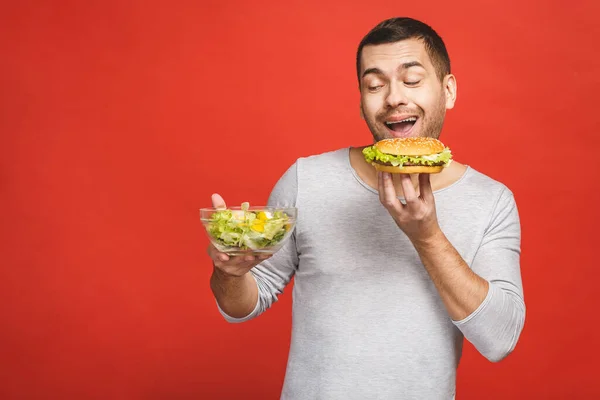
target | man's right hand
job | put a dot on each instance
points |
(225, 265)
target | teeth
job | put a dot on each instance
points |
(411, 119)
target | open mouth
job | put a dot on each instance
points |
(401, 127)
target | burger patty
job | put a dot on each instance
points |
(407, 164)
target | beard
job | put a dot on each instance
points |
(430, 124)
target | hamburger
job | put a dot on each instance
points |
(412, 155)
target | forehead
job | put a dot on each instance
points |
(389, 56)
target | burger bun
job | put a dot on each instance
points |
(411, 146)
(408, 169)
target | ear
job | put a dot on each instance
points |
(450, 90)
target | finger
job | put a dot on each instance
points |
(425, 188)
(380, 187)
(218, 201)
(387, 193)
(409, 191)
(234, 263)
(247, 258)
(244, 264)
(216, 255)
(221, 259)
(262, 257)
(243, 267)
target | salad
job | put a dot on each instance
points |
(247, 229)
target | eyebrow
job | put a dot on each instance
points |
(406, 65)
(412, 64)
(375, 71)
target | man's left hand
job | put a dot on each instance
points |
(417, 218)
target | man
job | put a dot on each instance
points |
(391, 272)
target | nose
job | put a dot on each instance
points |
(396, 95)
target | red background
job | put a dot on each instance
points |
(119, 119)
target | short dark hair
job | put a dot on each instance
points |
(402, 28)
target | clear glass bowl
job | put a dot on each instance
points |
(255, 230)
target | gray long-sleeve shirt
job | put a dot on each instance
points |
(367, 321)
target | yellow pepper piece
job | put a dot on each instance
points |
(258, 227)
(262, 216)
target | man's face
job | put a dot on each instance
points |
(401, 95)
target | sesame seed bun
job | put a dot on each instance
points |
(412, 146)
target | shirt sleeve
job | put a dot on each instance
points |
(495, 326)
(273, 275)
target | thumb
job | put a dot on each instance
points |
(217, 201)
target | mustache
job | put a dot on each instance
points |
(400, 111)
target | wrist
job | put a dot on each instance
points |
(430, 239)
